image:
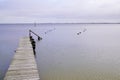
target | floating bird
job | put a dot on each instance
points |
(78, 33)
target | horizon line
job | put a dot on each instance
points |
(68, 23)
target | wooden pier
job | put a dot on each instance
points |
(23, 65)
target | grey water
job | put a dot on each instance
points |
(63, 54)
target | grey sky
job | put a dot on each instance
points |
(16, 11)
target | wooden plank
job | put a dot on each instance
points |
(23, 65)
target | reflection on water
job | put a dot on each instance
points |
(64, 55)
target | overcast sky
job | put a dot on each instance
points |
(17, 11)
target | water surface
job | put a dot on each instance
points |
(65, 55)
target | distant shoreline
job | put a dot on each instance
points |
(53, 23)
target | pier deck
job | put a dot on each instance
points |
(23, 65)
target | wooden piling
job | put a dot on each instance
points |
(23, 65)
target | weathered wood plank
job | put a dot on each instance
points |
(23, 65)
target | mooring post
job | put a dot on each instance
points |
(39, 38)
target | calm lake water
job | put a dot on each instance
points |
(67, 51)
